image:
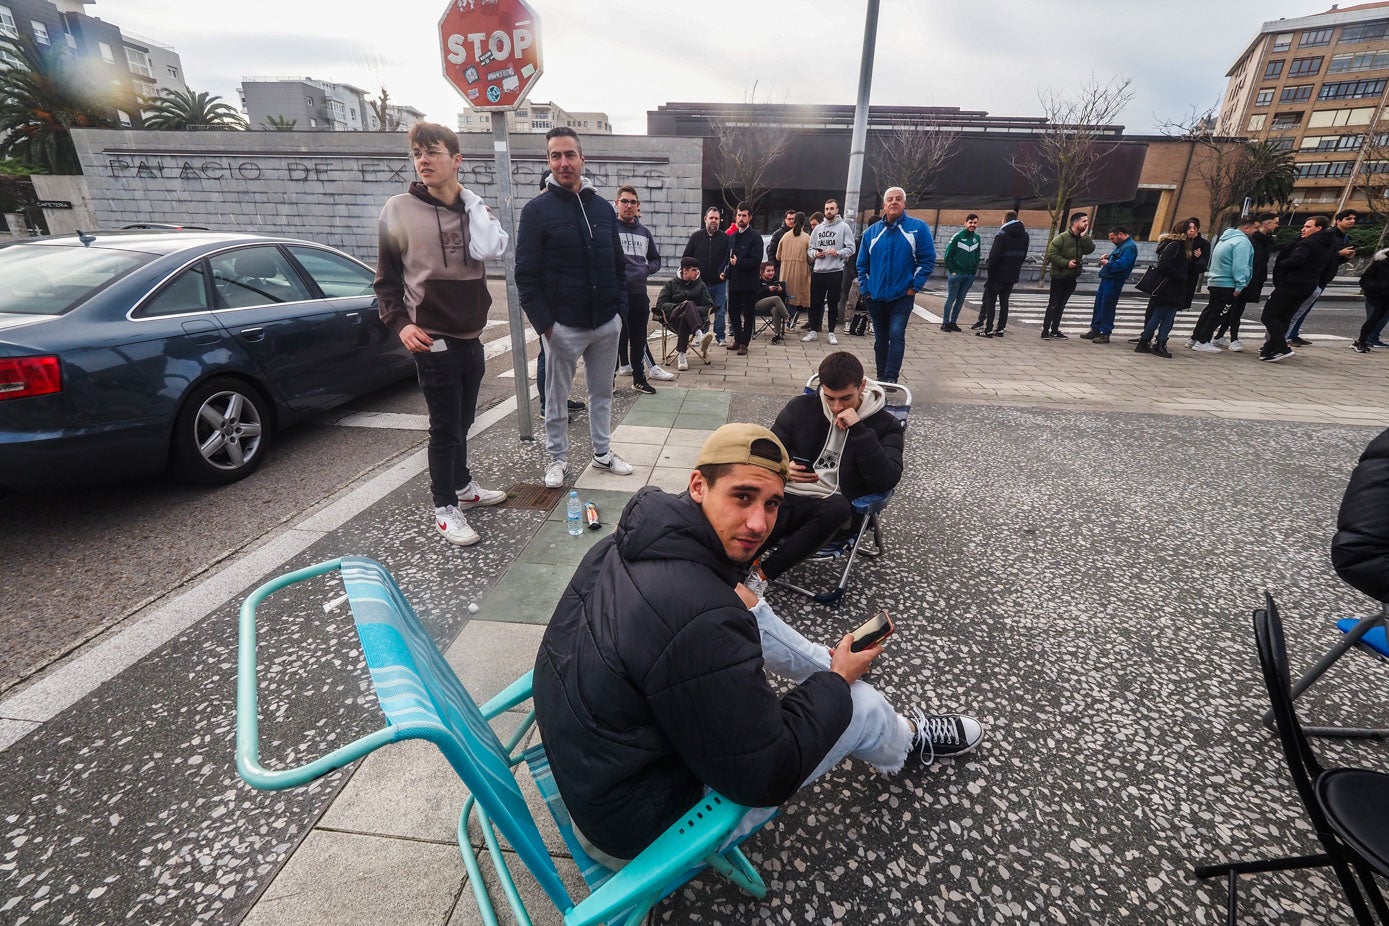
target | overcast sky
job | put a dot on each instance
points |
(624, 57)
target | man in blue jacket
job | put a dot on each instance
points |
(895, 259)
(1232, 266)
(571, 276)
(1115, 268)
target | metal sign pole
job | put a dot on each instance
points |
(501, 145)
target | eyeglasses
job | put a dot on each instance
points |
(630, 202)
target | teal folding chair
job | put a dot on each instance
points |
(422, 698)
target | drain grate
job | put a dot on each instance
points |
(531, 497)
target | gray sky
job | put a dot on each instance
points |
(625, 57)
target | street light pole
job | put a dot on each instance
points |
(860, 136)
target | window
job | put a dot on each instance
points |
(1364, 32)
(139, 63)
(336, 106)
(1257, 121)
(1299, 94)
(1325, 169)
(40, 32)
(1320, 195)
(1314, 38)
(308, 100)
(173, 72)
(1365, 61)
(8, 60)
(1327, 118)
(255, 276)
(123, 118)
(185, 293)
(7, 26)
(107, 54)
(1331, 142)
(335, 275)
(1283, 41)
(1281, 143)
(1273, 70)
(313, 123)
(1351, 89)
(71, 40)
(1305, 67)
(1286, 121)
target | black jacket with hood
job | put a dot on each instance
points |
(649, 684)
(1360, 549)
(569, 262)
(1006, 254)
(872, 457)
(1299, 266)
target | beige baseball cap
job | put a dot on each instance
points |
(746, 443)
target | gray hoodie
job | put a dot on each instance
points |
(836, 235)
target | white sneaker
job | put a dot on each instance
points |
(756, 580)
(832, 338)
(612, 463)
(660, 373)
(1221, 342)
(702, 348)
(719, 342)
(454, 527)
(1236, 346)
(1205, 348)
(810, 336)
(681, 363)
(554, 474)
(1190, 342)
(473, 495)
(625, 370)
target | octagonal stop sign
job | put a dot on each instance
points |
(491, 51)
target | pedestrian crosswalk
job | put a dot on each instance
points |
(1031, 308)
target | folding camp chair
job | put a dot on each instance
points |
(422, 698)
(668, 339)
(867, 511)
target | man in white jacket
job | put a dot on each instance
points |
(432, 285)
(831, 244)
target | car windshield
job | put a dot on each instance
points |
(40, 280)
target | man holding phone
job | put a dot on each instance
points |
(649, 683)
(843, 444)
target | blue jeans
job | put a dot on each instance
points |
(889, 335)
(1106, 302)
(719, 293)
(1160, 322)
(956, 286)
(876, 734)
(1295, 328)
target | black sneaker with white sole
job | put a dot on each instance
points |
(944, 736)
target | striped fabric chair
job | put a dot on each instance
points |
(422, 698)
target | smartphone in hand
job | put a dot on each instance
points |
(874, 630)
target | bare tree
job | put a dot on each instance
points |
(1064, 158)
(1372, 181)
(386, 119)
(747, 151)
(912, 155)
(1218, 163)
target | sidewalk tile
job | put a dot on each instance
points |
(526, 594)
(596, 479)
(679, 457)
(635, 434)
(701, 422)
(552, 544)
(489, 655)
(689, 437)
(656, 418)
(610, 503)
(670, 478)
(542, 911)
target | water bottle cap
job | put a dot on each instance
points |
(574, 493)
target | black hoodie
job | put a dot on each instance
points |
(1007, 253)
(649, 684)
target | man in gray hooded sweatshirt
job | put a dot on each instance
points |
(831, 246)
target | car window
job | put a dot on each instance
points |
(48, 280)
(335, 275)
(184, 293)
(255, 276)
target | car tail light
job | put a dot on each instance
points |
(21, 377)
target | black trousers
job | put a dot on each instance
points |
(825, 286)
(1000, 292)
(741, 315)
(803, 524)
(632, 342)
(1278, 311)
(1233, 315)
(1375, 311)
(450, 380)
(1222, 297)
(1059, 295)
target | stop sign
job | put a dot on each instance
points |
(491, 51)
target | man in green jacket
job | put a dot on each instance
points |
(961, 265)
(1065, 255)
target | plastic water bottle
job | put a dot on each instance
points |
(576, 525)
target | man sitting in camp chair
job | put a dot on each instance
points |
(649, 685)
(843, 444)
(681, 307)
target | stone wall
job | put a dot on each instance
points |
(330, 186)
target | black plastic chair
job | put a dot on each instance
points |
(1348, 807)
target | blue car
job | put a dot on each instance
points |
(126, 354)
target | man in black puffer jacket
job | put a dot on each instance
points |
(1003, 266)
(571, 277)
(649, 684)
(1360, 549)
(1296, 274)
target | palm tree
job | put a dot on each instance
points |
(178, 112)
(1266, 174)
(41, 101)
(278, 124)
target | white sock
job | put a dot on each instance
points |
(681, 357)
(699, 333)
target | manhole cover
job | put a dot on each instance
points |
(531, 497)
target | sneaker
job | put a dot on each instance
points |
(454, 527)
(1299, 342)
(1359, 348)
(1046, 335)
(1143, 348)
(681, 363)
(810, 336)
(612, 463)
(943, 736)
(719, 342)
(1274, 358)
(832, 339)
(776, 339)
(1190, 342)
(575, 405)
(976, 326)
(1378, 343)
(625, 370)
(1236, 346)
(1101, 339)
(1223, 343)
(1090, 335)
(1205, 347)
(1058, 336)
(660, 374)
(1160, 350)
(473, 495)
(644, 387)
(998, 333)
(554, 474)
(757, 580)
(702, 348)
(983, 334)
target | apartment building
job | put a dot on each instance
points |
(538, 117)
(1317, 86)
(307, 103)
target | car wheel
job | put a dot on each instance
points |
(222, 433)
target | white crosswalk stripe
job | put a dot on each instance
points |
(1031, 308)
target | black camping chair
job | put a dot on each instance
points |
(1348, 807)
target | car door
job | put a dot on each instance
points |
(289, 331)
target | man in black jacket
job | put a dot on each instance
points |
(709, 246)
(1296, 273)
(1345, 251)
(1003, 267)
(571, 277)
(843, 444)
(1360, 549)
(649, 682)
(744, 265)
